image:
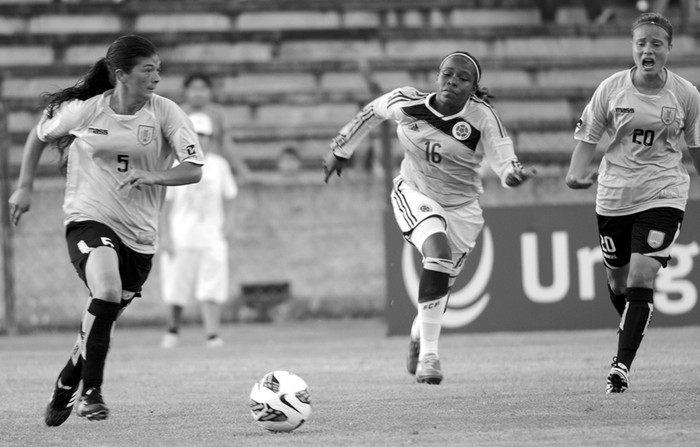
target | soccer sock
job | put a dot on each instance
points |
(634, 323)
(619, 301)
(432, 300)
(72, 372)
(430, 314)
(97, 330)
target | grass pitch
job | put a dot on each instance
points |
(500, 389)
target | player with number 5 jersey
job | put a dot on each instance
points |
(445, 136)
(649, 114)
(118, 140)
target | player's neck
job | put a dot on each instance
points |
(649, 83)
(123, 104)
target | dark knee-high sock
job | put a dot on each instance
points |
(634, 323)
(72, 372)
(97, 330)
(619, 301)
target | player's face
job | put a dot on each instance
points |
(456, 81)
(198, 93)
(650, 48)
(141, 82)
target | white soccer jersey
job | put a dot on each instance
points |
(442, 153)
(642, 167)
(197, 216)
(105, 147)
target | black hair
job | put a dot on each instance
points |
(198, 77)
(654, 18)
(479, 92)
(122, 54)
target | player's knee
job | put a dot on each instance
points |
(442, 265)
(433, 285)
(107, 291)
(617, 287)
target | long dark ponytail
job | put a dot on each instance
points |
(122, 54)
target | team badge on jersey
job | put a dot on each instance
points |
(461, 130)
(425, 208)
(655, 238)
(145, 134)
(668, 115)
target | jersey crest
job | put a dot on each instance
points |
(462, 130)
(668, 115)
(145, 134)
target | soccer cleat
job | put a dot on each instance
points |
(91, 406)
(61, 404)
(412, 356)
(428, 370)
(169, 340)
(618, 378)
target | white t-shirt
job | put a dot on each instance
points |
(197, 214)
(105, 147)
(642, 167)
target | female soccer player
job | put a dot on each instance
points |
(121, 139)
(642, 183)
(445, 136)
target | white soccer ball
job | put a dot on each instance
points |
(280, 401)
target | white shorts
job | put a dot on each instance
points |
(463, 224)
(200, 273)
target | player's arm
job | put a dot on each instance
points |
(349, 137)
(182, 174)
(500, 153)
(578, 176)
(20, 200)
(695, 156)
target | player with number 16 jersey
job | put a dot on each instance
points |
(445, 136)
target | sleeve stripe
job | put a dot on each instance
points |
(366, 115)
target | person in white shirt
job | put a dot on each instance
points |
(649, 113)
(195, 229)
(445, 136)
(119, 140)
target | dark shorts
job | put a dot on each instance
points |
(651, 233)
(83, 237)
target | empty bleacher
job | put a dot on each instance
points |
(287, 70)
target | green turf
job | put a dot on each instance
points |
(515, 389)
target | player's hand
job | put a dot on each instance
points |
(574, 182)
(331, 164)
(135, 178)
(519, 174)
(19, 202)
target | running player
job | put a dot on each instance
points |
(648, 112)
(445, 136)
(119, 140)
(194, 260)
